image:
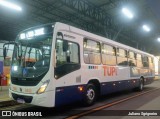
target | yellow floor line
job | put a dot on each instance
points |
(108, 105)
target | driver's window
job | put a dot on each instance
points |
(61, 55)
(67, 57)
(67, 52)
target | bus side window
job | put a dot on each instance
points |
(108, 54)
(122, 57)
(139, 60)
(131, 58)
(91, 52)
(67, 57)
(145, 61)
(151, 64)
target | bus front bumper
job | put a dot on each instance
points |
(45, 99)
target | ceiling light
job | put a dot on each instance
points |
(10, 5)
(127, 13)
(146, 28)
(158, 39)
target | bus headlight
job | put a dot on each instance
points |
(43, 87)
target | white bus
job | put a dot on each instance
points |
(157, 67)
(57, 64)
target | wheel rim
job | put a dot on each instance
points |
(141, 85)
(90, 94)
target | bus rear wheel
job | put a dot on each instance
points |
(141, 85)
(90, 95)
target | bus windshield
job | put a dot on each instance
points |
(31, 58)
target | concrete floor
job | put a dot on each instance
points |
(4, 95)
(150, 102)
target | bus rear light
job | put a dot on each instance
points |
(60, 90)
(80, 88)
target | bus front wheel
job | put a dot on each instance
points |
(90, 95)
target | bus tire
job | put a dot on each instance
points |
(90, 95)
(141, 85)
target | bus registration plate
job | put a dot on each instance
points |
(20, 100)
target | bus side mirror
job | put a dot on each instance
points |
(4, 52)
(19, 51)
(65, 43)
(6, 48)
(60, 35)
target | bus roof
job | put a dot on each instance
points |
(100, 38)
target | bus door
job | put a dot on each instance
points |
(67, 73)
(67, 57)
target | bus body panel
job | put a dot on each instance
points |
(128, 77)
(71, 86)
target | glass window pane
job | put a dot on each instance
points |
(61, 56)
(121, 52)
(91, 52)
(107, 49)
(67, 55)
(139, 57)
